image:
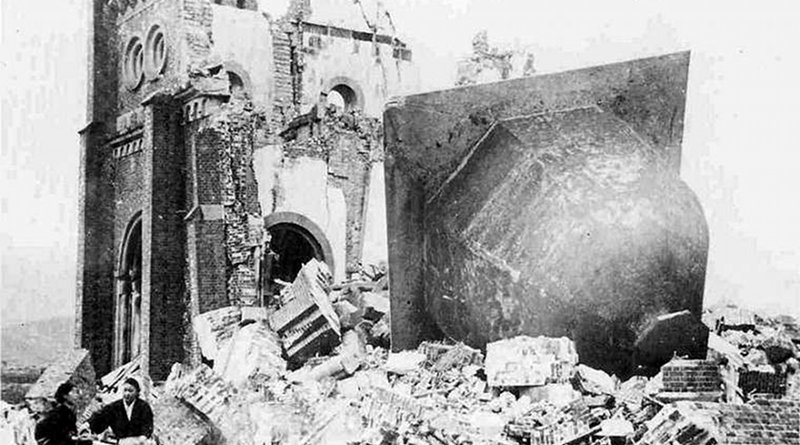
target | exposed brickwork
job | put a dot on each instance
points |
(755, 382)
(691, 376)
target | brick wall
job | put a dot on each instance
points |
(283, 106)
(165, 248)
(691, 376)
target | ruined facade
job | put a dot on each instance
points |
(211, 125)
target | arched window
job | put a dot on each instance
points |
(155, 52)
(128, 304)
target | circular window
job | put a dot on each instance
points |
(156, 52)
(134, 60)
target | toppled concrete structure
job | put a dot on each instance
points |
(548, 205)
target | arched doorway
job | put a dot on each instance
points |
(294, 240)
(128, 304)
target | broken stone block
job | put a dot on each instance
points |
(697, 380)
(214, 329)
(202, 389)
(404, 362)
(615, 427)
(719, 348)
(558, 394)
(307, 322)
(593, 381)
(442, 357)
(527, 361)
(74, 366)
(375, 305)
(349, 315)
(174, 423)
(253, 351)
(383, 408)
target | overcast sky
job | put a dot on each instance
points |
(740, 153)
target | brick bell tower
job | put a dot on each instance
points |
(132, 297)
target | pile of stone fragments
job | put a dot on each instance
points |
(317, 370)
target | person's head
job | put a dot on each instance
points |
(66, 393)
(130, 390)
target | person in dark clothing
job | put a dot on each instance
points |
(127, 417)
(58, 427)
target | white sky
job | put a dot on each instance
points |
(740, 154)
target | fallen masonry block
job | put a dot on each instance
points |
(253, 313)
(593, 381)
(202, 389)
(704, 423)
(615, 427)
(174, 423)
(558, 394)
(558, 426)
(349, 315)
(215, 328)
(253, 351)
(680, 333)
(755, 382)
(404, 362)
(375, 305)
(75, 366)
(698, 380)
(442, 357)
(307, 323)
(528, 361)
(718, 348)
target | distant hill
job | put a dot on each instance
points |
(35, 343)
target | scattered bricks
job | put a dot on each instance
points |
(383, 408)
(75, 367)
(557, 426)
(375, 305)
(593, 381)
(442, 357)
(679, 333)
(527, 361)
(559, 394)
(254, 351)
(174, 423)
(404, 362)
(351, 356)
(778, 347)
(215, 328)
(763, 422)
(755, 382)
(307, 323)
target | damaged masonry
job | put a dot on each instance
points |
(547, 263)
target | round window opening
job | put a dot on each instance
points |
(156, 52)
(134, 60)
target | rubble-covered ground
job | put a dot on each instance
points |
(317, 369)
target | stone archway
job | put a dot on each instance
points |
(295, 240)
(128, 299)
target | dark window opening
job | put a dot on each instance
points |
(236, 85)
(129, 298)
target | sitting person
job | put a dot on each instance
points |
(58, 425)
(129, 417)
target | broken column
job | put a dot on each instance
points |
(307, 323)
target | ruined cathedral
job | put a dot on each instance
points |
(224, 148)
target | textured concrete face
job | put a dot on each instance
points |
(567, 221)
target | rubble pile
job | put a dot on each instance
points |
(314, 370)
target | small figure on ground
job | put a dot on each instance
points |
(128, 418)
